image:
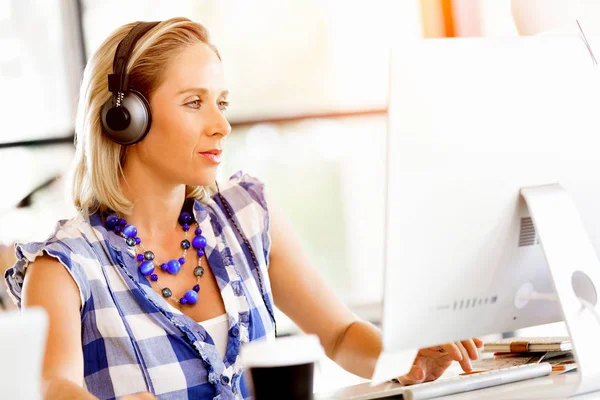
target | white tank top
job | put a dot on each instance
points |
(218, 329)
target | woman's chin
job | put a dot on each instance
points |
(206, 180)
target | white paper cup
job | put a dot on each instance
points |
(282, 368)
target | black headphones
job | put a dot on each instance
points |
(126, 116)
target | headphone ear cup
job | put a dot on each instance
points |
(129, 123)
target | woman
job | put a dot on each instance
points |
(135, 304)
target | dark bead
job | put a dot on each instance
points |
(166, 292)
(181, 261)
(112, 221)
(198, 231)
(196, 288)
(185, 218)
(191, 297)
(153, 277)
(130, 242)
(117, 229)
(122, 222)
(149, 255)
(130, 231)
(199, 242)
(185, 244)
(138, 240)
(174, 267)
(186, 227)
(147, 267)
(140, 257)
(198, 271)
(182, 300)
(164, 267)
(224, 379)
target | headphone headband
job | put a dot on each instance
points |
(118, 81)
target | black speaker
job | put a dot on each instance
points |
(126, 116)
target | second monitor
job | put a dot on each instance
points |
(472, 122)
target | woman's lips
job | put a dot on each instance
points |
(212, 157)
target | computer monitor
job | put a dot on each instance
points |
(22, 345)
(472, 122)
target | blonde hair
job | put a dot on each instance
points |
(98, 163)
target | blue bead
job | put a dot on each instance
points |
(153, 277)
(198, 231)
(199, 242)
(200, 253)
(122, 222)
(186, 227)
(117, 229)
(182, 300)
(191, 297)
(138, 240)
(181, 261)
(130, 231)
(185, 218)
(196, 288)
(164, 267)
(147, 267)
(140, 257)
(174, 267)
(112, 221)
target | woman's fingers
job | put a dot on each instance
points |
(465, 363)
(471, 348)
(414, 376)
(453, 351)
(446, 350)
(478, 342)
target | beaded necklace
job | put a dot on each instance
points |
(146, 258)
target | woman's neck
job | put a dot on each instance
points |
(157, 203)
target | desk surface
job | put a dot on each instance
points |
(550, 387)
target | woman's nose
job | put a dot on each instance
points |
(218, 123)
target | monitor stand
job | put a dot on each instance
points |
(575, 271)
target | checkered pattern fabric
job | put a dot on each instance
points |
(132, 339)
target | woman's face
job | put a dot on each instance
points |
(185, 141)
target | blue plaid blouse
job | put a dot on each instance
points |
(133, 340)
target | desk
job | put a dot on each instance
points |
(547, 388)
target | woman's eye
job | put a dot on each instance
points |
(194, 104)
(223, 105)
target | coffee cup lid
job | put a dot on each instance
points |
(286, 351)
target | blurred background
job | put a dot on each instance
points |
(308, 83)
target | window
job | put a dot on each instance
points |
(328, 177)
(41, 65)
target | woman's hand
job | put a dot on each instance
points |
(431, 363)
(139, 396)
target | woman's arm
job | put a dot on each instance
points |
(48, 285)
(303, 295)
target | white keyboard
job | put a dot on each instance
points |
(444, 387)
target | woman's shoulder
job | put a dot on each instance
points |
(67, 243)
(67, 231)
(242, 188)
